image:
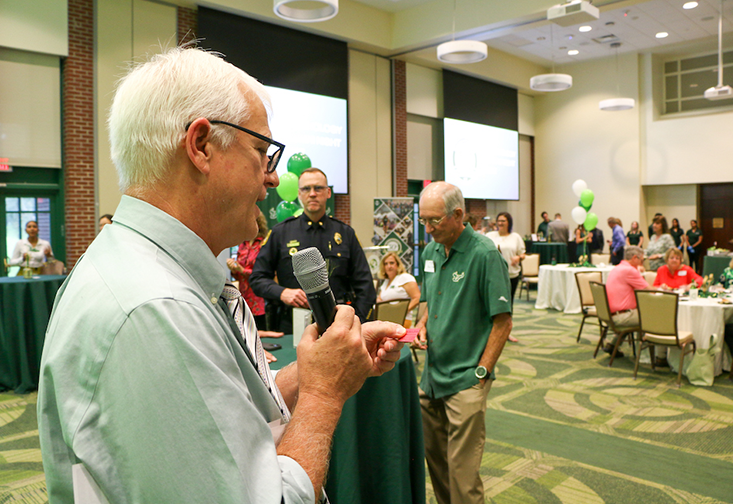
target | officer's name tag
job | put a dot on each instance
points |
(429, 266)
(683, 273)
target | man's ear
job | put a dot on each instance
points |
(198, 144)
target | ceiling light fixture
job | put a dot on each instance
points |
(553, 81)
(662, 35)
(689, 5)
(616, 104)
(585, 28)
(461, 51)
(719, 92)
(310, 11)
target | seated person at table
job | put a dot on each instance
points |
(621, 283)
(398, 284)
(674, 274)
(726, 278)
(32, 251)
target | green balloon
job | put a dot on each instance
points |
(298, 162)
(591, 220)
(584, 207)
(285, 210)
(288, 188)
(587, 197)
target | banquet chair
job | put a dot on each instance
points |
(530, 272)
(392, 311)
(658, 319)
(600, 259)
(600, 299)
(86, 490)
(583, 279)
(650, 276)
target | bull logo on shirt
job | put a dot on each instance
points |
(457, 277)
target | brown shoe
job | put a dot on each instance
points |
(609, 350)
(661, 362)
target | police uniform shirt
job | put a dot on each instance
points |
(337, 242)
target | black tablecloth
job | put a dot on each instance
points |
(548, 250)
(25, 305)
(378, 453)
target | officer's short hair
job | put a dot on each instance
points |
(314, 170)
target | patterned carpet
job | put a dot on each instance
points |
(561, 428)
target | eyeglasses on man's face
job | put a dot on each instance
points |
(317, 188)
(432, 222)
(274, 149)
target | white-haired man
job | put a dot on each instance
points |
(153, 374)
(465, 327)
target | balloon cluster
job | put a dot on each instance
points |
(581, 213)
(288, 188)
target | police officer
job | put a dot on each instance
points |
(349, 275)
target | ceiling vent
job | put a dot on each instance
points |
(607, 39)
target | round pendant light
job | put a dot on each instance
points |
(462, 51)
(616, 104)
(306, 11)
(551, 82)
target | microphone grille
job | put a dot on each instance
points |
(310, 270)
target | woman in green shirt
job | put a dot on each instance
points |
(677, 233)
(694, 245)
(635, 236)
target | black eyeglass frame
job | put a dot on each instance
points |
(271, 166)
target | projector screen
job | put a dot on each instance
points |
(314, 125)
(483, 161)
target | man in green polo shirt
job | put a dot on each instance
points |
(468, 320)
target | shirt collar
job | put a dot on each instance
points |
(175, 239)
(462, 243)
(319, 224)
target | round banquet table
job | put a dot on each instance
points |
(556, 287)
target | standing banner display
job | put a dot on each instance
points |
(393, 229)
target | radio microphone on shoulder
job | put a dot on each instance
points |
(310, 270)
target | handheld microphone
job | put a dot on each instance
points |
(310, 270)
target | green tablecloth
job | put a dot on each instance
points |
(548, 250)
(25, 306)
(378, 453)
(714, 265)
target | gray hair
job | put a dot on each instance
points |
(157, 99)
(631, 251)
(452, 197)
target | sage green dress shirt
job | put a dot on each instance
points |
(464, 292)
(145, 381)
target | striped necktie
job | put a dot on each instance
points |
(246, 323)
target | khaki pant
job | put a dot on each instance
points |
(454, 430)
(624, 319)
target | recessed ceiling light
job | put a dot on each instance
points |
(540, 38)
(562, 48)
(573, 52)
(689, 5)
(662, 35)
(585, 28)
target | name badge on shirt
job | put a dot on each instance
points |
(682, 273)
(429, 266)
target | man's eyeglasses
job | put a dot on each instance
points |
(317, 188)
(432, 222)
(274, 150)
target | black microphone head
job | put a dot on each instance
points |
(310, 270)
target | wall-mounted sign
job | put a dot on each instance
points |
(718, 222)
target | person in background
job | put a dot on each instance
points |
(674, 274)
(542, 228)
(677, 233)
(693, 241)
(105, 220)
(464, 330)
(616, 244)
(473, 220)
(659, 242)
(583, 240)
(398, 284)
(726, 278)
(512, 249)
(32, 251)
(596, 242)
(559, 231)
(621, 283)
(635, 236)
(651, 230)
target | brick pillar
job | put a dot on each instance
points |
(476, 207)
(188, 24)
(399, 69)
(78, 126)
(343, 208)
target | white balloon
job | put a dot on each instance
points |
(579, 214)
(579, 186)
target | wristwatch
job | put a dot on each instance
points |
(481, 372)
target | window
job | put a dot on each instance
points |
(685, 82)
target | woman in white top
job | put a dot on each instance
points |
(398, 284)
(32, 251)
(511, 246)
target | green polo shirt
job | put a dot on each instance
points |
(464, 292)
